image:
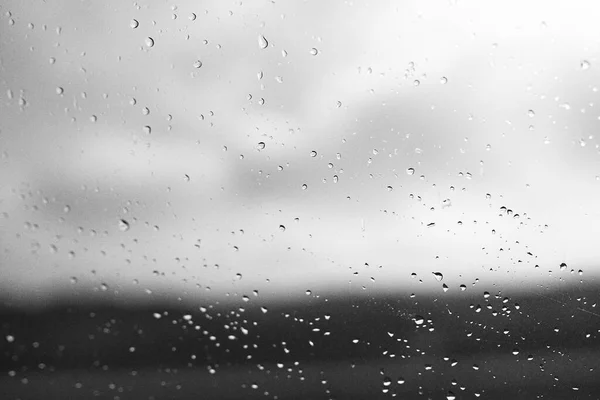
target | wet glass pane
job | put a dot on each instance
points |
(321, 200)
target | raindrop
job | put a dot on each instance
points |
(73, 280)
(419, 320)
(304, 186)
(443, 80)
(531, 113)
(335, 179)
(123, 225)
(149, 42)
(238, 276)
(313, 153)
(438, 276)
(416, 82)
(262, 42)
(563, 266)
(445, 287)
(59, 90)
(401, 381)
(134, 23)
(197, 64)
(147, 129)
(387, 381)
(314, 51)
(410, 171)
(282, 228)
(585, 64)
(261, 145)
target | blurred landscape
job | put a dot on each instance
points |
(544, 344)
(313, 200)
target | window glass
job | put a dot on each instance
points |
(267, 199)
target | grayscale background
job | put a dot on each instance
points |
(270, 153)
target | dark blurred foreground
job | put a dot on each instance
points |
(471, 345)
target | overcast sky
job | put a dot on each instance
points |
(410, 126)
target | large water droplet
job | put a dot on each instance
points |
(149, 42)
(419, 320)
(438, 276)
(262, 42)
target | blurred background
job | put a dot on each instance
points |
(342, 192)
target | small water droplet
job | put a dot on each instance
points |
(282, 228)
(304, 186)
(416, 82)
(443, 80)
(262, 42)
(438, 276)
(197, 64)
(585, 65)
(149, 42)
(419, 320)
(59, 90)
(531, 113)
(410, 171)
(314, 51)
(123, 225)
(134, 23)
(313, 153)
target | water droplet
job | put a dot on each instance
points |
(585, 65)
(387, 381)
(438, 276)
(10, 338)
(313, 153)
(262, 42)
(59, 90)
(563, 266)
(531, 113)
(401, 381)
(410, 171)
(450, 396)
(104, 287)
(314, 51)
(238, 276)
(304, 186)
(282, 228)
(197, 64)
(445, 287)
(443, 80)
(73, 280)
(149, 42)
(335, 179)
(261, 145)
(147, 129)
(419, 320)
(134, 23)
(192, 17)
(123, 225)
(390, 188)
(416, 82)
(308, 292)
